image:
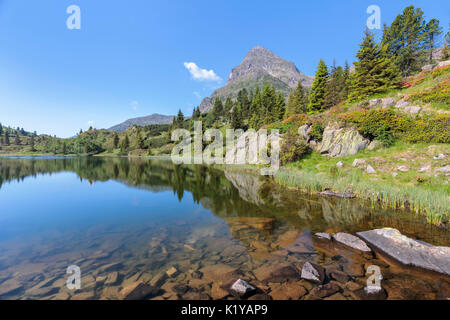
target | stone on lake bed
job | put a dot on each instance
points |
(408, 251)
(323, 235)
(351, 241)
(313, 272)
(242, 288)
(172, 272)
(138, 291)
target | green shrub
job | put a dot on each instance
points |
(293, 148)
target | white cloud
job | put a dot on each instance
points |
(201, 74)
(134, 104)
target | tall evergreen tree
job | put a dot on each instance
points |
(6, 138)
(406, 40)
(297, 101)
(64, 148)
(1, 129)
(17, 139)
(115, 140)
(125, 143)
(335, 87)
(227, 108)
(32, 143)
(217, 109)
(317, 93)
(256, 110)
(244, 103)
(236, 117)
(139, 140)
(433, 31)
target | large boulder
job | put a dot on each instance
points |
(408, 251)
(338, 142)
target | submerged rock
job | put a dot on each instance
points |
(408, 251)
(313, 272)
(345, 195)
(342, 142)
(241, 288)
(351, 241)
(323, 235)
(138, 291)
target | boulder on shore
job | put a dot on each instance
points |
(339, 142)
(408, 251)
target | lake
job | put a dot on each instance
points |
(123, 221)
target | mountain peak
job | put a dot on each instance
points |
(259, 66)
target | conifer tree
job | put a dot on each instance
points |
(297, 101)
(125, 143)
(17, 139)
(236, 117)
(116, 140)
(374, 72)
(217, 109)
(1, 129)
(227, 108)
(335, 87)
(256, 110)
(139, 140)
(432, 30)
(64, 148)
(32, 143)
(6, 138)
(244, 103)
(317, 93)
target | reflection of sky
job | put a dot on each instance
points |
(63, 202)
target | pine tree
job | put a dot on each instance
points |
(139, 140)
(432, 30)
(125, 143)
(116, 140)
(6, 138)
(227, 109)
(244, 103)
(406, 40)
(64, 148)
(236, 117)
(374, 72)
(317, 93)
(256, 110)
(32, 143)
(17, 139)
(217, 109)
(346, 82)
(1, 129)
(179, 121)
(297, 101)
(335, 87)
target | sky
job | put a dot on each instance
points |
(136, 58)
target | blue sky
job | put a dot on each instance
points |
(129, 58)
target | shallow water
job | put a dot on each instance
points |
(123, 221)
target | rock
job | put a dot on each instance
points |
(379, 294)
(351, 241)
(403, 168)
(412, 109)
(401, 104)
(9, 287)
(440, 156)
(339, 276)
(359, 162)
(325, 290)
(158, 280)
(138, 291)
(88, 295)
(394, 174)
(276, 273)
(408, 251)
(425, 168)
(443, 64)
(218, 293)
(218, 272)
(303, 132)
(374, 103)
(172, 272)
(260, 297)
(445, 169)
(288, 291)
(242, 289)
(353, 286)
(323, 235)
(340, 164)
(375, 144)
(428, 67)
(328, 193)
(387, 102)
(370, 170)
(341, 142)
(313, 272)
(110, 266)
(112, 279)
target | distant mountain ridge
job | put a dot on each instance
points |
(155, 118)
(259, 66)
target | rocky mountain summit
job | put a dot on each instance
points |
(142, 121)
(259, 66)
